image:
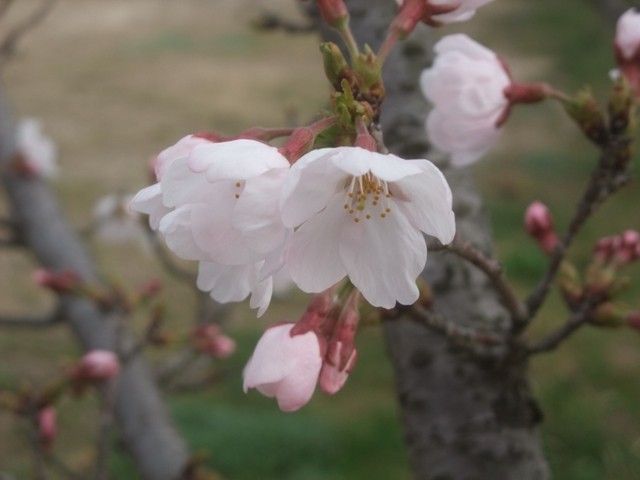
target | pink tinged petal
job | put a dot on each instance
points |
(309, 186)
(460, 42)
(225, 283)
(628, 33)
(383, 257)
(257, 212)
(176, 229)
(313, 258)
(149, 201)
(181, 149)
(466, 141)
(235, 160)
(427, 202)
(180, 185)
(285, 367)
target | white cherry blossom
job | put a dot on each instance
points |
(466, 86)
(217, 203)
(361, 214)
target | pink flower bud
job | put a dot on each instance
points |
(47, 426)
(633, 320)
(97, 366)
(628, 247)
(59, 282)
(334, 12)
(627, 48)
(627, 41)
(335, 372)
(151, 288)
(604, 249)
(538, 223)
(210, 340)
(285, 367)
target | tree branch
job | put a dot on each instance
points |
(34, 321)
(10, 41)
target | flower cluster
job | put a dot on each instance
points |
(291, 359)
(620, 249)
(245, 214)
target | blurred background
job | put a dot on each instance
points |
(114, 82)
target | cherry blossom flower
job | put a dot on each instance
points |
(460, 10)
(361, 214)
(627, 39)
(466, 86)
(115, 222)
(285, 367)
(217, 203)
(38, 151)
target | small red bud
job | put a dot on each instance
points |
(59, 282)
(47, 426)
(334, 12)
(538, 223)
(210, 340)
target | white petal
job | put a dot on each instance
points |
(181, 185)
(427, 201)
(257, 212)
(313, 258)
(261, 294)
(235, 160)
(176, 229)
(309, 186)
(383, 257)
(225, 283)
(149, 201)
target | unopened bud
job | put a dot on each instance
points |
(334, 12)
(210, 340)
(607, 315)
(588, 115)
(621, 103)
(633, 320)
(59, 282)
(538, 223)
(47, 426)
(336, 67)
(627, 47)
(335, 372)
(97, 366)
(628, 249)
(150, 289)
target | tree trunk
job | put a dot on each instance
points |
(466, 416)
(158, 451)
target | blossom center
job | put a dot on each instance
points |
(367, 197)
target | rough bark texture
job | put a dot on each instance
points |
(466, 416)
(156, 447)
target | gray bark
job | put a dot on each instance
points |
(158, 451)
(466, 415)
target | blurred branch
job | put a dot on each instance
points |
(176, 365)
(10, 41)
(166, 260)
(4, 7)
(269, 21)
(34, 321)
(105, 429)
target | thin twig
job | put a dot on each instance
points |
(165, 259)
(176, 365)
(269, 21)
(602, 185)
(581, 317)
(9, 43)
(494, 272)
